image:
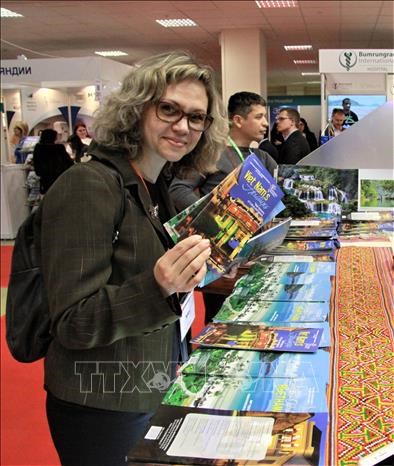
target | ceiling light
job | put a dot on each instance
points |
(314, 73)
(304, 62)
(111, 53)
(176, 23)
(277, 4)
(10, 14)
(297, 47)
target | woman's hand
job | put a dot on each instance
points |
(183, 267)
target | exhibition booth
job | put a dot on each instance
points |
(46, 93)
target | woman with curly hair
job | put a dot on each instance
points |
(112, 275)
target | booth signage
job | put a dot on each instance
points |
(356, 61)
(286, 100)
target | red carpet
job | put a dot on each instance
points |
(25, 438)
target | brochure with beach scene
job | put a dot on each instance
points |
(209, 437)
(250, 311)
(239, 363)
(278, 394)
(318, 291)
(259, 337)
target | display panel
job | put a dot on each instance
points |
(361, 105)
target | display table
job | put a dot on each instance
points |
(13, 199)
(360, 392)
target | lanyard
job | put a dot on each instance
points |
(236, 148)
(138, 173)
(153, 209)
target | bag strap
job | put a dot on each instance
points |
(120, 216)
(115, 173)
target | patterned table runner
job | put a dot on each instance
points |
(361, 393)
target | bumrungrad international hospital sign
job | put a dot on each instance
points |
(356, 61)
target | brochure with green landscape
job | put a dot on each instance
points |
(239, 363)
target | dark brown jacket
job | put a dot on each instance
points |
(113, 329)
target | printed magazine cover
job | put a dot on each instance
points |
(298, 233)
(264, 241)
(234, 210)
(326, 192)
(239, 363)
(318, 291)
(208, 437)
(260, 337)
(286, 274)
(248, 310)
(278, 394)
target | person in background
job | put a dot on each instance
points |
(275, 136)
(350, 116)
(32, 184)
(21, 130)
(295, 146)
(336, 124)
(306, 132)
(114, 306)
(247, 115)
(50, 160)
(78, 143)
(267, 146)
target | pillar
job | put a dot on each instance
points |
(244, 62)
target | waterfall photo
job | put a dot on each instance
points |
(325, 192)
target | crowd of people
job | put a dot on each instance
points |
(115, 287)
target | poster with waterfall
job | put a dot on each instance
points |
(326, 192)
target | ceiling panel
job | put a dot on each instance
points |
(78, 28)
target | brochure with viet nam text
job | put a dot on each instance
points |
(259, 337)
(234, 210)
(279, 394)
(208, 437)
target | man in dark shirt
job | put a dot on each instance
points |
(295, 146)
(350, 117)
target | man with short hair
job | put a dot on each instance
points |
(336, 125)
(350, 117)
(247, 115)
(295, 147)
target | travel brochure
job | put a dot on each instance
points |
(316, 292)
(311, 233)
(278, 394)
(250, 311)
(326, 192)
(230, 215)
(259, 337)
(210, 437)
(239, 363)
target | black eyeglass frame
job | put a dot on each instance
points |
(207, 121)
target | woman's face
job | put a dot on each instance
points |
(172, 141)
(18, 132)
(301, 126)
(81, 132)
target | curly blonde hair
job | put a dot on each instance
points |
(118, 121)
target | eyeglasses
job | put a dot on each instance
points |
(172, 113)
(282, 118)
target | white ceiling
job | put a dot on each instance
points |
(78, 28)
